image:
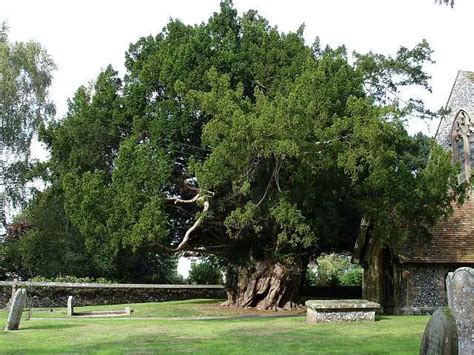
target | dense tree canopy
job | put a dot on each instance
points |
(235, 140)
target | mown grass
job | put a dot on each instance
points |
(173, 309)
(287, 335)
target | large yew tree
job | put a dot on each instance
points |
(235, 140)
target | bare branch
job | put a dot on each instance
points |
(266, 190)
(193, 227)
(178, 200)
(201, 195)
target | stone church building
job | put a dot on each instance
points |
(409, 278)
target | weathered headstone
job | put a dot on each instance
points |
(128, 311)
(70, 306)
(460, 288)
(440, 336)
(14, 316)
(10, 302)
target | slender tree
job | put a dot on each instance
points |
(25, 76)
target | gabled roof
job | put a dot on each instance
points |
(452, 240)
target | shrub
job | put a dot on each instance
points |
(352, 277)
(332, 270)
(71, 279)
(205, 273)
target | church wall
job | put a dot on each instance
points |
(461, 98)
(423, 288)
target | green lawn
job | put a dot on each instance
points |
(286, 335)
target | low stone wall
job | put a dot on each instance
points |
(331, 292)
(55, 294)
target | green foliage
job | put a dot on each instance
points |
(25, 76)
(70, 279)
(352, 277)
(204, 272)
(310, 277)
(332, 270)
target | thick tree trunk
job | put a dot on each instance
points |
(266, 285)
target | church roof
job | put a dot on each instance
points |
(452, 240)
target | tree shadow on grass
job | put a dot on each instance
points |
(246, 316)
(49, 326)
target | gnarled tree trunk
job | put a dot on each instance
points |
(265, 285)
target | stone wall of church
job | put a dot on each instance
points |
(462, 97)
(423, 287)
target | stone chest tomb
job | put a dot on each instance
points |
(327, 311)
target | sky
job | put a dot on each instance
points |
(84, 36)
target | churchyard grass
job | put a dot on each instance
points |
(53, 332)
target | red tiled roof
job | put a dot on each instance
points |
(452, 240)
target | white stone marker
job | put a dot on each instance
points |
(460, 287)
(70, 307)
(14, 316)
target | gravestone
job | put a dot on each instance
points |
(16, 310)
(70, 306)
(440, 336)
(460, 286)
(10, 302)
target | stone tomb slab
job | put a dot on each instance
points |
(327, 311)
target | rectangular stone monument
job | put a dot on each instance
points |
(16, 310)
(70, 306)
(460, 286)
(325, 311)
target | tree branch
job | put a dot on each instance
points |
(178, 200)
(198, 222)
(193, 227)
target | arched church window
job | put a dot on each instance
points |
(463, 143)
